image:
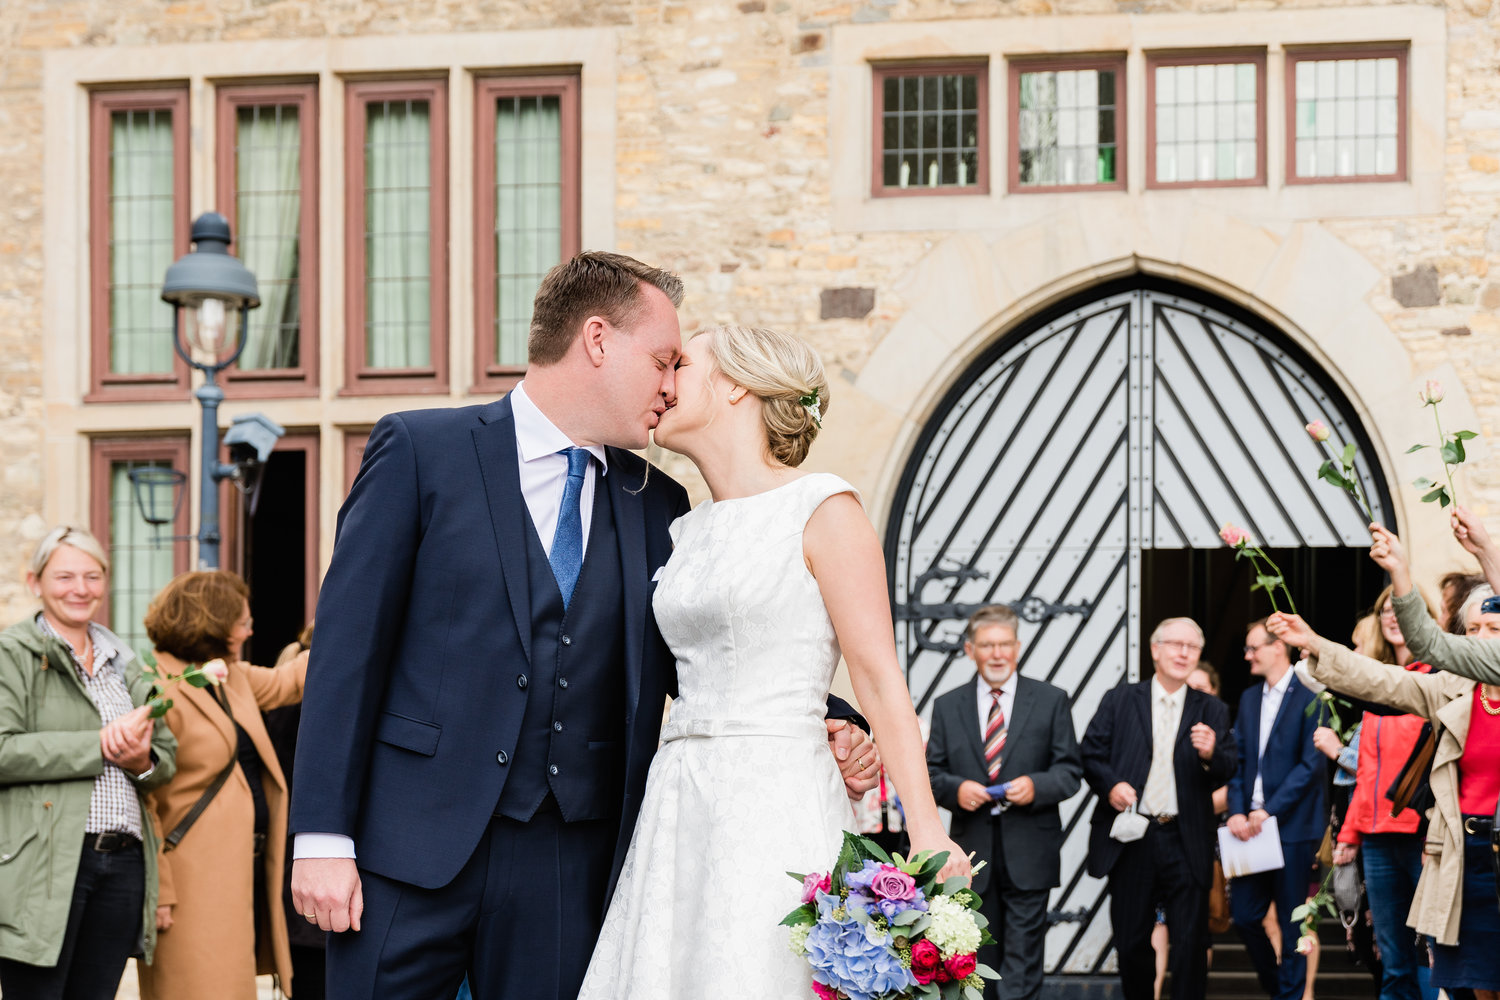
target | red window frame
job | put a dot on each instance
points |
(1297, 55)
(105, 385)
(360, 379)
(980, 68)
(240, 382)
(103, 453)
(1114, 62)
(1208, 57)
(489, 376)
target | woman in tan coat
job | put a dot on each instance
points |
(217, 928)
(1455, 899)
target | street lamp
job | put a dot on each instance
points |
(209, 289)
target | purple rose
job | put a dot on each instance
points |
(893, 883)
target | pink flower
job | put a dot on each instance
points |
(893, 883)
(926, 963)
(217, 671)
(824, 992)
(960, 966)
(1432, 392)
(814, 884)
(1318, 430)
(1233, 537)
(1305, 944)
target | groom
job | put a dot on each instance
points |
(487, 683)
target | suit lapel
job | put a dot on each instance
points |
(203, 700)
(495, 446)
(1142, 701)
(971, 723)
(1020, 713)
(630, 531)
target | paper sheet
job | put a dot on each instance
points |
(1261, 853)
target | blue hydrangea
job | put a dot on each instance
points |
(855, 957)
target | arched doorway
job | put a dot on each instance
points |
(1080, 470)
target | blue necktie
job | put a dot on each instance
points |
(567, 541)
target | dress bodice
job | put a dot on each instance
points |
(755, 649)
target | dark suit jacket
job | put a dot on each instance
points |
(1117, 747)
(412, 706)
(1040, 744)
(1292, 768)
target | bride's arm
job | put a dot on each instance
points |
(844, 556)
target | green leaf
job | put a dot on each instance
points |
(1453, 453)
(1348, 456)
(1330, 473)
(1465, 435)
(906, 917)
(159, 706)
(147, 658)
(876, 850)
(1416, 447)
(949, 991)
(1441, 491)
(197, 678)
(801, 916)
(1300, 912)
(986, 971)
(1423, 483)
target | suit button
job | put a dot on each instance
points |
(557, 727)
(562, 682)
(567, 640)
(521, 682)
(502, 758)
(552, 769)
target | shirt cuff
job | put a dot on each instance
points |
(322, 845)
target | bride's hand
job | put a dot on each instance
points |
(957, 864)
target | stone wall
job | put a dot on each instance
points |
(723, 157)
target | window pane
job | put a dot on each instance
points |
(932, 138)
(398, 222)
(528, 213)
(141, 209)
(1350, 106)
(138, 567)
(1066, 130)
(268, 215)
(1214, 107)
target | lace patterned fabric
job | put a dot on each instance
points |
(743, 788)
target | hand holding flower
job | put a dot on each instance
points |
(1291, 629)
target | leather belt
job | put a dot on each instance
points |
(1162, 819)
(110, 841)
(1478, 825)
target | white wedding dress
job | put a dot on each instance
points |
(744, 788)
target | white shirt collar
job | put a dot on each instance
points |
(1280, 686)
(1008, 688)
(1178, 698)
(537, 437)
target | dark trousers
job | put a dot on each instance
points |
(1018, 921)
(1250, 896)
(104, 926)
(1393, 864)
(521, 918)
(1150, 871)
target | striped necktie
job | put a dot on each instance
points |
(994, 737)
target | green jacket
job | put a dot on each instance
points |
(49, 757)
(1476, 659)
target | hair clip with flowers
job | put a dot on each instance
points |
(813, 405)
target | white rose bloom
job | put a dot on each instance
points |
(952, 930)
(798, 940)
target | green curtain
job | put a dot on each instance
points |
(398, 235)
(268, 206)
(138, 567)
(528, 213)
(141, 206)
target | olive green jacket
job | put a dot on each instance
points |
(49, 757)
(1476, 659)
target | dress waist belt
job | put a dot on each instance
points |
(800, 729)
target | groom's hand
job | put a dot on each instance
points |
(327, 892)
(859, 761)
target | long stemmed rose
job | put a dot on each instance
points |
(1347, 479)
(198, 675)
(1267, 574)
(1450, 448)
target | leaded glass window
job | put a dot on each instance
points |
(1207, 122)
(1068, 124)
(397, 235)
(1347, 117)
(142, 213)
(931, 126)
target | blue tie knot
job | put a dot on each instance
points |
(578, 461)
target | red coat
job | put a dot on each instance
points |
(1385, 743)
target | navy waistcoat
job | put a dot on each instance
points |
(572, 737)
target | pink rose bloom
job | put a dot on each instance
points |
(1305, 944)
(217, 671)
(926, 963)
(814, 884)
(1432, 392)
(960, 966)
(1318, 430)
(893, 883)
(824, 992)
(1233, 536)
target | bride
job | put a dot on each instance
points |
(768, 583)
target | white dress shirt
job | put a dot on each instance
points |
(544, 473)
(1270, 703)
(1159, 797)
(1007, 701)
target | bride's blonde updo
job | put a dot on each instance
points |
(780, 371)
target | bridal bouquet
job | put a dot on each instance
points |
(881, 927)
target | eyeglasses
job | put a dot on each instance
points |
(985, 647)
(1389, 611)
(1180, 645)
(1252, 650)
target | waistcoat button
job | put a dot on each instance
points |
(552, 769)
(557, 727)
(562, 682)
(567, 640)
(502, 758)
(521, 682)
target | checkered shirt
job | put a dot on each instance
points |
(115, 805)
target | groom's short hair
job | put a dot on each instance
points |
(593, 283)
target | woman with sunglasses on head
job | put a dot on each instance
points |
(1454, 902)
(78, 753)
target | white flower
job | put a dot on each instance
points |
(952, 929)
(1305, 944)
(798, 939)
(217, 671)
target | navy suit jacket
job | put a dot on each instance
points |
(413, 703)
(1117, 747)
(1291, 769)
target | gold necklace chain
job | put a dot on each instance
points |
(1485, 702)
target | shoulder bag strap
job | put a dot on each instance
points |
(175, 837)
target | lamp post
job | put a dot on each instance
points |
(208, 286)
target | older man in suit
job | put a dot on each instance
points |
(1160, 748)
(1280, 774)
(1004, 729)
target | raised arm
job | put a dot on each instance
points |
(844, 556)
(1471, 533)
